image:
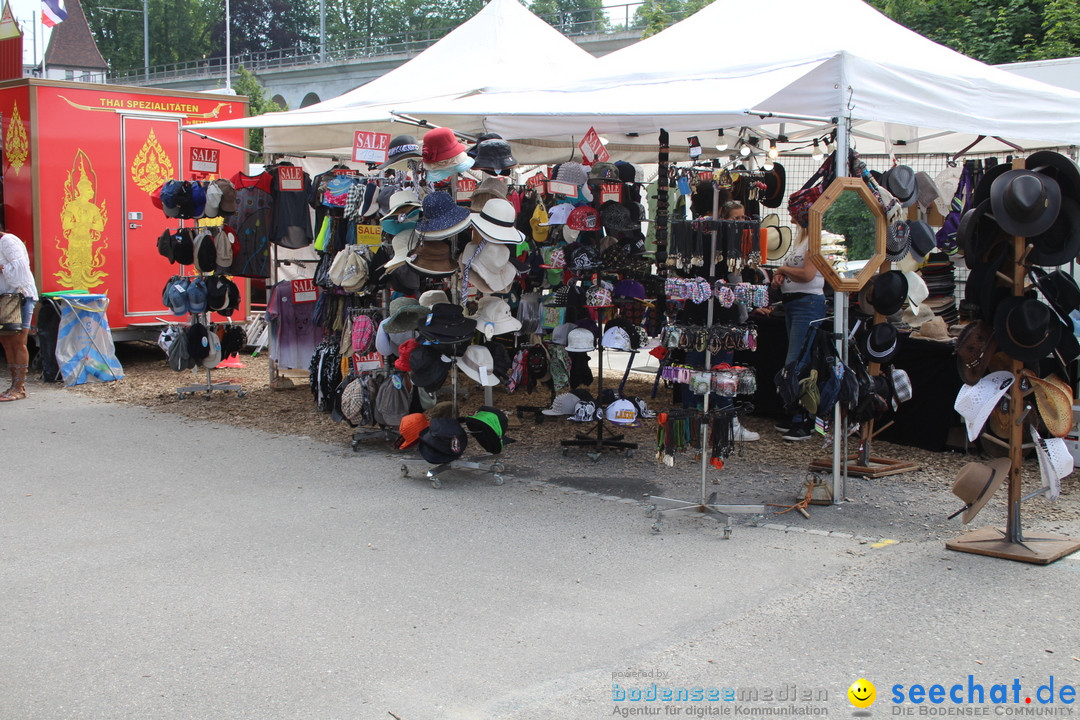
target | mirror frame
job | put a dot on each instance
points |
(817, 212)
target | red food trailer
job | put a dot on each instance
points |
(80, 162)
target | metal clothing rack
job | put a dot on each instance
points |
(706, 503)
(596, 439)
(209, 386)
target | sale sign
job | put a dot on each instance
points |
(303, 291)
(592, 149)
(610, 192)
(204, 160)
(370, 146)
(465, 188)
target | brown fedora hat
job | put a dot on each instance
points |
(975, 349)
(976, 483)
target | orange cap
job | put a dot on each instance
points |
(409, 430)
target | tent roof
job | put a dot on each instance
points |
(503, 44)
(840, 58)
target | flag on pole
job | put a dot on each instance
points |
(53, 12)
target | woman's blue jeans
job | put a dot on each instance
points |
(798, 314)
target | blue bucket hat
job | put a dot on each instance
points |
(442, 216)
(392, 226)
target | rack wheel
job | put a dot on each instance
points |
(436, 482)
(241, 393)
(656, 526)
(727, 532)
(565, 451)
(498, 467)
(356, 446)
(404, 469)
(629, 452)
(179, 396)
(498, 479)
(594, 456)
(650, 511)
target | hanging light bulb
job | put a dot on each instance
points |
(721, 141)
(767, 166)
(745, 150)
(817, 155)
(773, 152)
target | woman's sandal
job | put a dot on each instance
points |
(12, 395)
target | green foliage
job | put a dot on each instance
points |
(850, 217)
(573, 17)
(655, 15)
(179, 30)
(244, 83)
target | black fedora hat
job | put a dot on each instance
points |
(983, 286)
(900, 182)
(978, 233)
(1026, 329)
(1060, 290)
(882, 343)
(775, 184)
(1061, 242)
(982, 189)
(889, 292)
(1059, 167)
(1025, 203)
(923, 240)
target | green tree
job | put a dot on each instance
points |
(849, 216)
(573, 17)
(247, 84)
(655, 15)
(179, 30)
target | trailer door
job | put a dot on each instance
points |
(151, 147)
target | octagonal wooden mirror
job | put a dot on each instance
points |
(847, 208)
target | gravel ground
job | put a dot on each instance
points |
(911, 505)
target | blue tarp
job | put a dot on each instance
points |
(84, 345)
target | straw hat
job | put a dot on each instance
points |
(778, 238)
(976, 483)
(1053, 402)
(933, 329)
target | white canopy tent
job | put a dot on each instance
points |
(835, 59)
(503, 44)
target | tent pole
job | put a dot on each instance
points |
(840, 304)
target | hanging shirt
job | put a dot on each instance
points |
(252, 222)
(289, 190)
(15, 263)
(293, 328)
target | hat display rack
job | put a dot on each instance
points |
(706, 503)
(1011, 542)
(211, 253)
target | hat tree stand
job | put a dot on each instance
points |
(599, 442)
(706, 504)
(489, 463)
(1010, 543)
(209, 386)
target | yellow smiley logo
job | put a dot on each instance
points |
(862, 693)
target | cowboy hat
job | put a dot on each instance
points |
(1053, 401)
(975, 349)
(1060, 168)
(976, 483)
(1026, 329)
(1025, 203)
(976, 402)
(1061, 242)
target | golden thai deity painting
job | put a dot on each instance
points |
(16, 145)
(151, 166)
(82, 252)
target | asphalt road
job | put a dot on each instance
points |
(153, 567)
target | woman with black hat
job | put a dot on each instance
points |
(803, 288)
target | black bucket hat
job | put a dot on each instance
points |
(443, 441)
(427, 368)
(493, 156)
(1025, 203)
(1026, 329)
(447, 324)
